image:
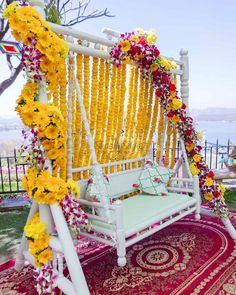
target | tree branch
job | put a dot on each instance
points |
(9, 81)
(9, 63)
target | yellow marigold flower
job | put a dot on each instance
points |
(44, 39)
(165, 63)
(173, 65)
(10, 10)
(14, 23)
(194, 170)
(127, 60)
(125, 45)
(134, 38)
(53, 154)
(45, 64)
(222, 189)
(140, 31)
(73, 187)
(209, 181)
(153, 67)
(17, 35)
(45, 256)
(151, 37)
(199, 136)
(28, 117)
(190, 146)
(176, 104)
(64, 49)
(34, 231)
(51, 132)
(197, 158)
(208, 196)
(34, 248)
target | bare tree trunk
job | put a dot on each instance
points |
(9, 81)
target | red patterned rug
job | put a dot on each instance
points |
(188, 257)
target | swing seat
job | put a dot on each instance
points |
(143, 210)
(137, 217)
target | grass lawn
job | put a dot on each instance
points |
(11, 228)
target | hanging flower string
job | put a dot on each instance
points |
(138, 48)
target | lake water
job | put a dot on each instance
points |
(221, 130)
(211, 131)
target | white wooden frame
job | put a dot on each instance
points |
(53, 214)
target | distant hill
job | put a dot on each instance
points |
(214, 114)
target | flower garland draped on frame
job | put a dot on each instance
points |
(138, 48)
(44, 59)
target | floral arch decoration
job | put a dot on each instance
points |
(138, 48)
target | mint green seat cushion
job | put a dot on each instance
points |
(142, 208)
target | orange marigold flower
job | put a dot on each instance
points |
(209, 181)
(197, 158)
(208, 196)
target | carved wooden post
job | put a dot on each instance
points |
(184, 78)
(184, 90)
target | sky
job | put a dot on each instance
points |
(207, 28)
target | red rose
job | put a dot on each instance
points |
(192, 153)
(158, 92)
(142, 40)
(172, 87)
(188, 132)
(135, 50)
(216, 194)
(155, 74)
(199, 147)
(170, 114)
(164, 78)
(156, 52)
(211, 174)
(183, 106)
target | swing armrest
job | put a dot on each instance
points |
(185, 185)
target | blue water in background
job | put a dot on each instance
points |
(221, 130)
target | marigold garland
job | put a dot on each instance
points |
(100, 106)
(126, 137)
(84, 150)
(160, 134)
(94, 95)
(78, 117)
(110, 127)
(104, 113)
(173, 149)
(153, 124)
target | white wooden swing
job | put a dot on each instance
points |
(122, 226)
